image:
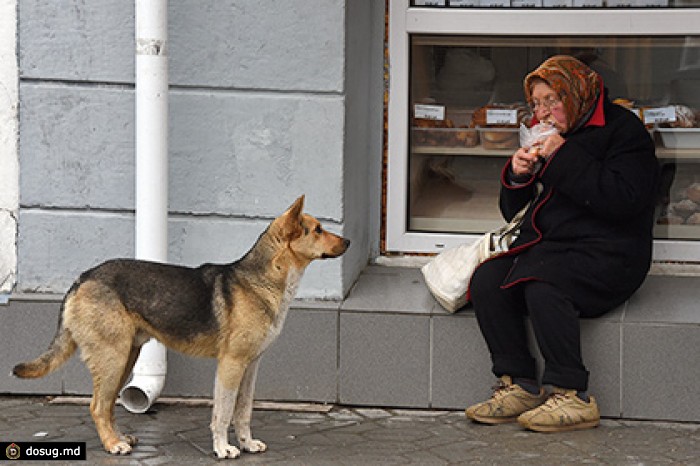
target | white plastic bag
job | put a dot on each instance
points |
(448, 274)
(530, 137)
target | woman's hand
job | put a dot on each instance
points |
(523, 161)
(550, 145)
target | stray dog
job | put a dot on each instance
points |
(231, 312)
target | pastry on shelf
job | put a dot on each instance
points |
(670, 219)
(692, 192)
(684, 208)
(499, 138)
(685, 118)
(627, 103)
(443, 133)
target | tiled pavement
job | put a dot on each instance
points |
(179, 434)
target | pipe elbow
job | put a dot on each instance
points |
(148, 378)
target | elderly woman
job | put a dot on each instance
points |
(584, 247)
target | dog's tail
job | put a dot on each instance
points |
(61, 349)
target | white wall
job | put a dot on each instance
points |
(9, 171)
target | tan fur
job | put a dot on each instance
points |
(95, 319)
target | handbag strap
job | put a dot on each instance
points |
(506, 234)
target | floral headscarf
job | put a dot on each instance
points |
(578, 86)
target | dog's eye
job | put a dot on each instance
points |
(318, 229)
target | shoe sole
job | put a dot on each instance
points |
(553, 429)
(492, 420)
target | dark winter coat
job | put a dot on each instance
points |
(590, 230)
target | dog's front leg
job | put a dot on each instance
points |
(228, 379)
(244, 410)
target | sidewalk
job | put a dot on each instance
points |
(179, 434)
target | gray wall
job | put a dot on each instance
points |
(268, 100)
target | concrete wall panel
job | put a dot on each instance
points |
(56, 246)
(251, 44)
(230, 153)
(77, 147)
(253, 155)
(259, 44)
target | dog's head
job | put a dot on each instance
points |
(306, 237)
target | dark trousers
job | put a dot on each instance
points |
(555, 320)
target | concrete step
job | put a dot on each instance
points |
(390, 344)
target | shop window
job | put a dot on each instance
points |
(456, 120)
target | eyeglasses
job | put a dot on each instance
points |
(548, 102)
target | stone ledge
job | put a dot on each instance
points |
(390, 344)
(662, 299)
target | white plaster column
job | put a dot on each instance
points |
(9, 144)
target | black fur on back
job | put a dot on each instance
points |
(177, 300)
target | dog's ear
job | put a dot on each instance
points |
(296, 209)
(291, 219)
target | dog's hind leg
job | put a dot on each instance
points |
(108, 370)
(244, 411)
(229, 374)
(133, 356)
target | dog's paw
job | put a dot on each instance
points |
(226, 451)
(130, 439)
(254, 446)
(119, 448)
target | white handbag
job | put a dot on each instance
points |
(448, 274)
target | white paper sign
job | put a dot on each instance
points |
(492, 3)
(464, 3)
(429, 3)
(429, 112)
(501, 117)
(636, 3)
(659, 115)
(526, 3)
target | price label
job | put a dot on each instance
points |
(429, 112)
(659, 115)
(526, 3)
(588, 3)
(464, 3)
(429, 3)
(495, 116)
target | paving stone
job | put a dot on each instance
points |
(373, 413)
(179, 434)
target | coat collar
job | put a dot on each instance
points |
(598, 116)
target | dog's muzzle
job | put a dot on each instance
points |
(346, 245)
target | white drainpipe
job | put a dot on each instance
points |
(151, 181)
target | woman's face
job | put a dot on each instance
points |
(547, 105)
